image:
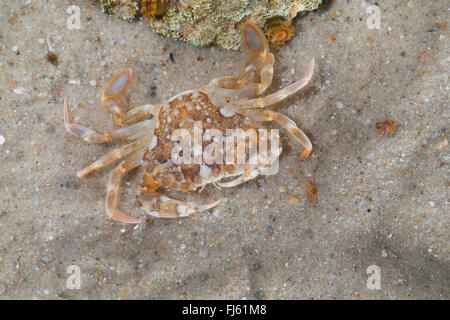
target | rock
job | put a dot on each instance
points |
(124, 9)
(217, 22)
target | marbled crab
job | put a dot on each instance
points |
(224, 103)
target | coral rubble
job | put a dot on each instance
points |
(204, 22)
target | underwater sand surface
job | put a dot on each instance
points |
(382, 196)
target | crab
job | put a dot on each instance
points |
(224, 103)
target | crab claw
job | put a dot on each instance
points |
(161, 206)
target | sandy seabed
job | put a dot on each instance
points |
(382, 200)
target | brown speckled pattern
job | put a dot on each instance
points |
(183, 111)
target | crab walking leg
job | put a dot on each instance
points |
(161, 206)
(139, 113)
(92, 136)
(112, 189)
(283, 93)
(114, 106)
(112, 156)
(225, 88)
(285, 122)
(244, 87)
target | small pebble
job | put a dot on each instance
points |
(442, 144)
(203, 253)
(19, 90)
(293, 200)
(216, 214)
(52, 58)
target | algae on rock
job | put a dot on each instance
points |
(204, 22)
(124, 9)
